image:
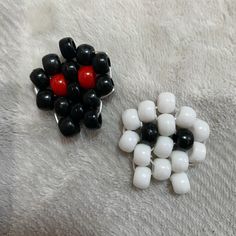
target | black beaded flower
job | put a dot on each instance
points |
(74, 87)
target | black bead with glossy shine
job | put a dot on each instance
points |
(101, 63)
(104, 85)
(91, 100)
(183, 139)
(92, 120)
(85, 54)
(68, 127)
(51, 64)
(67, 48)
(39, 78)
(73, 91)
(45, 99)
(77, 113)
(70, 71)
(149, 133)
(62, 106)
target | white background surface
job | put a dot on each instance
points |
(50, 185)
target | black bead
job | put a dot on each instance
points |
(104, 85)
(62, 106)
(68, 127)
(67, 48)
(39, 78)
(92, 120)
(149, 133)
(85, 54)
(77, 113)
(183, 139)
(73, 91)
(45, 99)
(91, 100)
(51, 64)
(70, 71)
(101, 63)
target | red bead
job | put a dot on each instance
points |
(87, 77)
(58, 84)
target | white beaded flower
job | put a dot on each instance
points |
(164, 140)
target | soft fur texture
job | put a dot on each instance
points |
(51, 185)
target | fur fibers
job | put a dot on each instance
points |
(56, 186)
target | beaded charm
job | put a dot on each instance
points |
(165, 140)
(73, 87)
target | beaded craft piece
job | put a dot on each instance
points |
(74, 86)
(164, 141)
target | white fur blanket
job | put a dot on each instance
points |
(50, 185)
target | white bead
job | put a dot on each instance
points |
(142, 177)
(163, 147)
(166, 124)
(201, 130)
(180, 183)
(185, 117)
(142, 154)
(166, 102)
(147, 111)
(161, 169)
(198, 152)
(128, 141)
(179, 161)
(130, 119)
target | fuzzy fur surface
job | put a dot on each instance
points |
(51, 185)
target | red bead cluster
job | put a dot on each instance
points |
(86, 79)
